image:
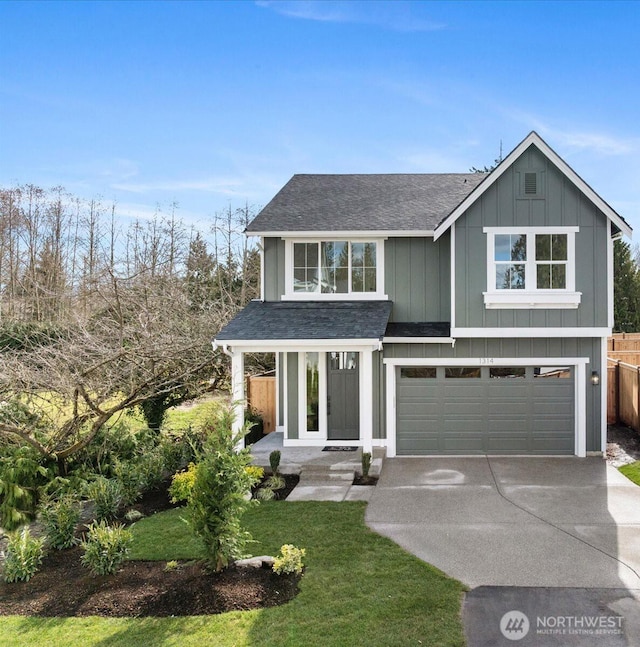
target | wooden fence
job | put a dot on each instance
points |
(623, 396)
(261, 396)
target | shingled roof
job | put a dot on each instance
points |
(393, 202)
(304, 320)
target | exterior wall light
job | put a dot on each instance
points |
(595, 378)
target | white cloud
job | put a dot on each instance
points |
(397, 15)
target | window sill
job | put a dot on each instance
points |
(507, 300)
(323, 296)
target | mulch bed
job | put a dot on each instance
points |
(290, 480)
(365, 480)
(63, 587)
(142, 588)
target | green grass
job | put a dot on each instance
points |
(358, 589)
(632, 472)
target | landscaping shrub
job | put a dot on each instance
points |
(255, 424)
(275, 482)
(182, 484)
(289, 560)
(23, 556)
(131, 480)
(217, 499)
(255, 472)
(60, 518)
(151, 466)
(274, 460)
(366, 464)
(105, 547)
(21, 476)
(107, 496)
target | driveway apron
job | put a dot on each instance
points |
(502, 521)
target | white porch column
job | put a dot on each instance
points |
(237, 392)
(366, 400)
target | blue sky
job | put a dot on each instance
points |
(211, 104)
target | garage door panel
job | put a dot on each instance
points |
(485, 415)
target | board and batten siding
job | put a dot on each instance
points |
(292, 395)
(417, 281)
(274, 272)
(521, 347)
(560, 203)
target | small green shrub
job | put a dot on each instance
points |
(274, 460)
(107, 495)
(276, 482)
(151, 467)
(60, 518)
(23, 556)
(182, 484)
(289, 560)
(265, 494)
(255, 472)
(133, 515)
(366, 463)
(172, 565)
(105, 547)
(131, 480)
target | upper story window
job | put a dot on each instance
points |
(334, 269)
(531, 267)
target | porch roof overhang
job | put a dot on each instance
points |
(273, 325)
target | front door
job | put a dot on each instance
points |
(343, 397)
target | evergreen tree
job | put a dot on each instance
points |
(626, 289)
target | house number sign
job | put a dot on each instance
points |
(486, 360)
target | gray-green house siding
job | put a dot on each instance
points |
(559, 203)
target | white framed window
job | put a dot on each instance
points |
(312, 395)
(334, 269)
(531, 267)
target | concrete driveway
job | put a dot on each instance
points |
(528, 522)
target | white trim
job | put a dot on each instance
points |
(461, 333)
(237, 391)
(486, 361)
(335, 296)
(580, 399)
(610, 276)
(419, 340)
(452, 275)
(365, 387)
(278, 420)
(285, 399)
(390, 408)
(531, 300)
(262, 279)
(297, 345)
(290, 295)
(321, 434)
(351, 233)
(543, 147)
(531, 297)
(604, 391)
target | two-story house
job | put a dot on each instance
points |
(437, 313)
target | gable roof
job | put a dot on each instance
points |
(406, 203)
(545, 149)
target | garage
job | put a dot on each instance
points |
(485, 410)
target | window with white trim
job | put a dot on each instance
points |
(334, 269)
(531, 267)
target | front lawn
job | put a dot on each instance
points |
(359, 589)
(632, 471)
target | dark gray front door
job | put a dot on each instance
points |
(343, 397)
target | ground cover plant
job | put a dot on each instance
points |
(358, 588)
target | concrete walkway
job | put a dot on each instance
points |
(324, 475)
(531, 522)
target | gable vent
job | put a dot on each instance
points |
(530, 183)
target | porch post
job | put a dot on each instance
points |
(237, 392)
(366, 400)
